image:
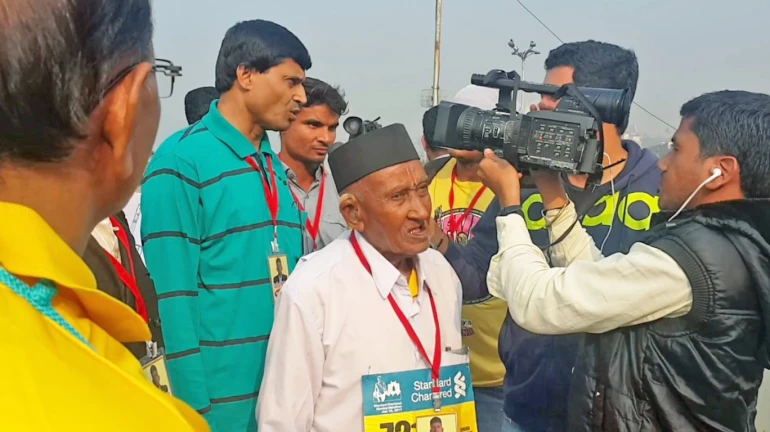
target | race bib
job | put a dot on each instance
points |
(403, 401)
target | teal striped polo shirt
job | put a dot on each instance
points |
(207, 234)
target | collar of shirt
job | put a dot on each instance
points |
(104, 234)
(30, 248)
(232, 137)
(290, 175)
(385, 275)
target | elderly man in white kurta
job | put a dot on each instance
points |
(355, 345)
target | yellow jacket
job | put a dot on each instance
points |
(50, 380)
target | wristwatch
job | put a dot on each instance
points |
(505, 211)
(438, 245)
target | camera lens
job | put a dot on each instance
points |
(479, 129)
(353, 126)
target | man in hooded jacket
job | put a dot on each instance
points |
(616, 214)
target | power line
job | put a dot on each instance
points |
(560, 40)
(541, 22)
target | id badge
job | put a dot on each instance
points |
(279, 269)
(404, 401)
(154, 368)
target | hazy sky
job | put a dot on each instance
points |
(381, 53)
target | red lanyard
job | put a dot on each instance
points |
(128, 279)
(315, 227)
(435, 365)
(271, 195)
(456, 224)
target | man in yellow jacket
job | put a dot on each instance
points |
(79, 111)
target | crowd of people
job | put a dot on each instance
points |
(353, 286)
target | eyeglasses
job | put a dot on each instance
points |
(169, 72)
(166, 73)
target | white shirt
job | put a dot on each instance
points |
(584, 292)
(104, 234)
(334, 325)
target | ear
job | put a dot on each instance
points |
(350, 208)
(121, 110)
(731, 172)
(424, 143)
(245, 77)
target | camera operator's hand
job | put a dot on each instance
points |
(551, 187)
(501, 178)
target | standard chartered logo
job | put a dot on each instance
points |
(460, 385)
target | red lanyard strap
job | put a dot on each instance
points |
(315, 227)
(271, 194)
(456, 224)
(435, 365)
(128, 279)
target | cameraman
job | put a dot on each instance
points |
(681, 320)
(538, 368)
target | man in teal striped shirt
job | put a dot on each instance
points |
(208, 227)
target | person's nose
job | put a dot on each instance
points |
(326, 136)
(419, 208)
(300, 96)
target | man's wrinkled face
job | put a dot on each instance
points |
(310, 135)
(275, 96)
(395, 209)
(683, 168)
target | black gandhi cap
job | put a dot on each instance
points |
(369, 153)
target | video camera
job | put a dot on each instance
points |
(567, 139)
(355, 127)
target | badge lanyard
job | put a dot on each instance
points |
(435, 365)
(454, 223)
(271, 195)
(128, 279)
(315, 227)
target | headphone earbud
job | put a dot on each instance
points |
(715, 173)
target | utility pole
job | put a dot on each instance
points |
(523, 56)
(437, 53)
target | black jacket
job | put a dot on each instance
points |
(702, 371)
(107, 280)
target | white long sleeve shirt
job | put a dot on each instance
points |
(584, 292)
(334, 325)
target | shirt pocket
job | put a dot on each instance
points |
(332, 223)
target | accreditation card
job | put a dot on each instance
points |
(403, 401)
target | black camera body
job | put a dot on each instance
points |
(355, 126)
(567, 139)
